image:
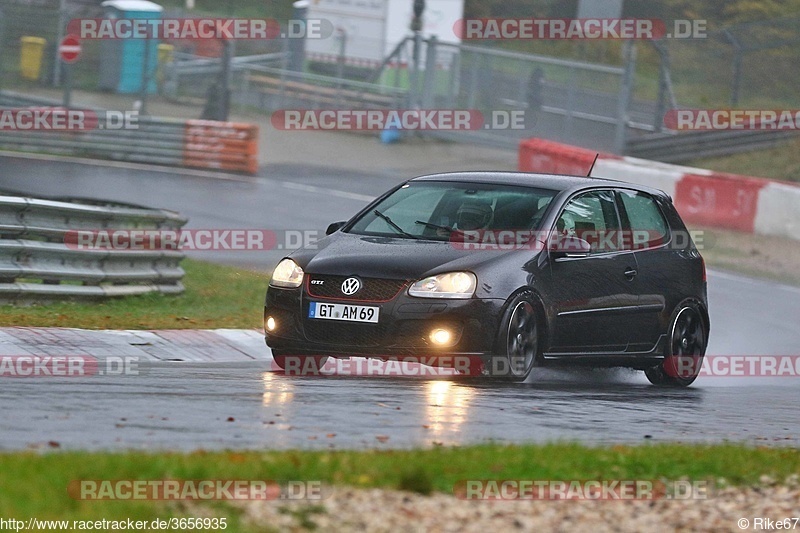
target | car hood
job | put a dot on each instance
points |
(347, 254)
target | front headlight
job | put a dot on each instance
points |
(450, 285)
(287, 274)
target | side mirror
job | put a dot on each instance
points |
(333, 228)
(570, 246)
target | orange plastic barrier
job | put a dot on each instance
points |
(221, 146)
(719, 199)
(540, 155)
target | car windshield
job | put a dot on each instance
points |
(435, 210)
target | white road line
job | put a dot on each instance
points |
(329, 192)
(752, 281)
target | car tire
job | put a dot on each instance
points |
(305, 365)
(518, 344)
(687, 338)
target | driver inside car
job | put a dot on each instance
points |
(474, 215)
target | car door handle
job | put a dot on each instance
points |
(630, 273)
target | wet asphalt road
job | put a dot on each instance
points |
(243, 405)
(238, 405)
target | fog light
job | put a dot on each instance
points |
(441, 337)
(270, 324)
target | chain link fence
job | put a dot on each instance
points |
(751, 65)
(600, 102)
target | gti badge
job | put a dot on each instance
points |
(351, 286)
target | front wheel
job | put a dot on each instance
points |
(686, 347)
(299, 365)
(518, 343)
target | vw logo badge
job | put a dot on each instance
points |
(351, 286)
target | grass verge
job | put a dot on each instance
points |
(35, 485)
(781, 162)
(216, 297)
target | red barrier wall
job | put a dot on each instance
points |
(540, 155)
(723, 200)
(221, 146)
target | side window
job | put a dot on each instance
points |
(592, 217)
(648, 226)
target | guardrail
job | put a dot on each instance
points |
(271, 89)
(681, 147)
(38, 264)
(206, 144)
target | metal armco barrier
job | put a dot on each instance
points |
(37, 265)
(680, 147)
(203, 144)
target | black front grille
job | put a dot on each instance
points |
(342, 333)
(372, 289)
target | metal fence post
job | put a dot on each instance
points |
(663, 85)
(340, 64)
(472, 97)
(413, 82)
(401, 55)
(297, 47)
(736, 66)
(428, 86)
(455, 79)
(626, 89)
(284, 68)
(145, 77)
(62, 23)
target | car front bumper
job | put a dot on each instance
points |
(403, 331)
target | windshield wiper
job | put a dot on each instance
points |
(394, 226)
(436, 226)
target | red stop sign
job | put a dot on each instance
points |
(69, 49)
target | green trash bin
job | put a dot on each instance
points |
(30, 58)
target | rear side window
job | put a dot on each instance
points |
(648, 226)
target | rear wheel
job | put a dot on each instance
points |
(299, 365)
(518, 342)
(686, 347)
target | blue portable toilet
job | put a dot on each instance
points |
(122, 63)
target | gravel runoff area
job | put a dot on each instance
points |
(379, 510)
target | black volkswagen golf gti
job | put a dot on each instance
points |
(496, 273)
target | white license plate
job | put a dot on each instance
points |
(350, 313)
